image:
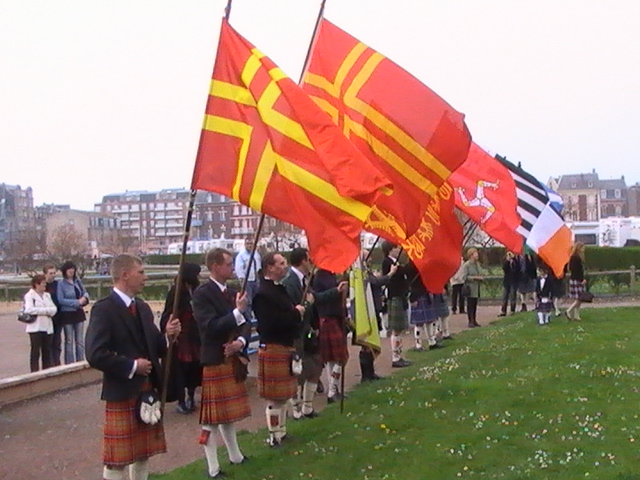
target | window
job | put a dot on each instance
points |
(618, 193)
(603, 193)
(618, 211)
(590, 184)
(223, 214)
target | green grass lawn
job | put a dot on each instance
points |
(513, 400)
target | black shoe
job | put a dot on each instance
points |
(313, 414)
(448, 337)
(333, 398)
(182, 408)
(376, 377)
(470, 325)
(462, 312)
(245, 459)
(400, 363)
(502, 314)
(454, 312)
(220, 474)
(436, 346)
(476, 324)
(320, 387)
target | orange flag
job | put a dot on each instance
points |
(486, 192)
(435, 248)
(405, 129)
(266, 144)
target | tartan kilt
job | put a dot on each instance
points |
(576, 287)
(126, 439)
(275, 381)
(441, 306)
(333, 341)
(397, 315)
(224, 400)
(424, 312)
(544, 307)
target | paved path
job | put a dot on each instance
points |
(59, 436)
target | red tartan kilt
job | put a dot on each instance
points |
(275, 381)
(333, 342)
(224, 400)
(126, 439)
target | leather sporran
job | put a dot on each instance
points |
(240, 364)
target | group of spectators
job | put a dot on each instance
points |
(58, 307)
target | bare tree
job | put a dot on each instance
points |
(69, 244)
(117, 242)
(26, 250)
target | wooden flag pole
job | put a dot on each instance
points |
(253, 253)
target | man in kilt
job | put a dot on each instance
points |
(331, 309)
(124, 343)
(397, 292)
(424, 311)
(308, 344)
(279, 326)
(224, 333)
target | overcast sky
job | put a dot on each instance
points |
(99, 97)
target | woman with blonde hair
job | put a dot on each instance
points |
(577, 280)
(472, 274)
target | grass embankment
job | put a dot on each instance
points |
(512, 400)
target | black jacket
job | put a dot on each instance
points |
(213, 312)
(576, 267)
(328, 300)
(279, 321)
(547, 290)
(115, 338)
(398, 284)
(511, 273)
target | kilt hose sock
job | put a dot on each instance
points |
(276, 414)
(334, 372)
(230, 439)
(113, 473)
(431, 333)
(308, 392)
(296, 403)
(417, 334)
(444, 326)
(210, 449)
(139, 470)
(396, 347)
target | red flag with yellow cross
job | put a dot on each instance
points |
(404, 128)
(266, 144)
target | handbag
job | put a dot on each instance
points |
(148, 407)
(585, 297)
(26, 317)
(466, 290)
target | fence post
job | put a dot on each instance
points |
(632, 280)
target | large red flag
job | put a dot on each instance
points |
(486, 192)
(405, 129)
(266, 144)
(435, 249)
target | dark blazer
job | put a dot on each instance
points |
(511, 271)
(213, 312)
(546, 291)
(279, 321)
(115, 338)
(398, 284)
(576, 267)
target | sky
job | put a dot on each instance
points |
(99, 97)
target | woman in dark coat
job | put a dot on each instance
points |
(577, 280)
(510, 281)
(187, 374)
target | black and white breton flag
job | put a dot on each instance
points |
(532, 196)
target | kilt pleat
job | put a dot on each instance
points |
(544, 307)
(224, 400)
(275, 381)
(333, 341)
(441, 306)
(576, 287)
(397, 315)
(126, 439)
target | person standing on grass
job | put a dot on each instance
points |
(124, 343)
(510, 282)
(577, 280)
(38, 302)
(225, 334)
(49, 271)
(331, 310)
(544, 295)
(398, 303)
(308, 345)
(279, 326)
(458, 300)
(473, 275)
(72, 298)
